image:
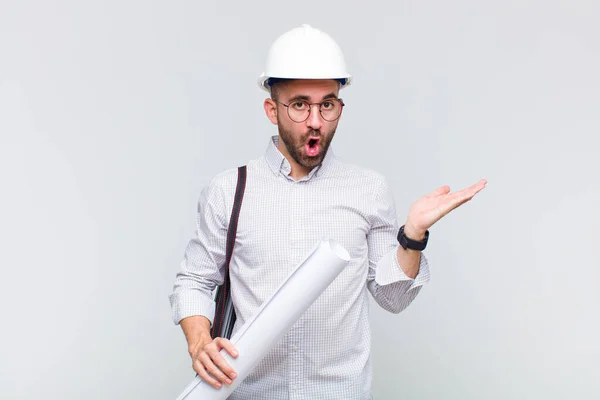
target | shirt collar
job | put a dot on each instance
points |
(279, 164)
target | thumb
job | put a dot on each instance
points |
(440, 191)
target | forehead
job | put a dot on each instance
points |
(313, 89)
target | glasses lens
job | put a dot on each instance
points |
(298, 111)
(331, 109)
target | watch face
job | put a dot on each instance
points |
(401, 238)
(403, 241)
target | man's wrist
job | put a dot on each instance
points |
(197, 331)
(412, 233)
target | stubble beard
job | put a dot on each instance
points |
(295, 147)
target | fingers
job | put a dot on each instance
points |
(201, 371)
(473, 190)
(461, 197)
(214, 370)
(210, 365)
(219, 361)
(457, 199)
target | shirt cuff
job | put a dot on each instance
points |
(190, 303)
(388, 271)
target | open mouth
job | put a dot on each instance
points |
(313, 147)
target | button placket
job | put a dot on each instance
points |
(296, 333)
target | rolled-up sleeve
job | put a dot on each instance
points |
(202, 266)
(391, 288)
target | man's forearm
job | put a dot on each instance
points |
(409, 259)
(196, 330)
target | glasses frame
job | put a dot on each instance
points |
(310, 105)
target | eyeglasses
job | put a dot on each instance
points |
(299, 110)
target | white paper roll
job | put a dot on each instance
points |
(276, 316)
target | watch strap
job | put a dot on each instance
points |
(408, 243)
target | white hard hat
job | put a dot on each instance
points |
(305, 53)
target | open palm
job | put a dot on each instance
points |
(429, 209)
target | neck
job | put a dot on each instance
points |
(297, 171)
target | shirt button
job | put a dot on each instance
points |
(295, 387)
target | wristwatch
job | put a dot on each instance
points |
(408, 243)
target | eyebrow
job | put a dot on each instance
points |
(307, 98)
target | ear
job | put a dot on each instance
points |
(271, 110)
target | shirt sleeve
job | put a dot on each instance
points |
(202, 268)
(387, 282)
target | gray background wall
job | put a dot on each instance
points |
(114, 114)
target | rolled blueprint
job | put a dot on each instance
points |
(276, 316)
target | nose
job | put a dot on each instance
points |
(314, 121)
